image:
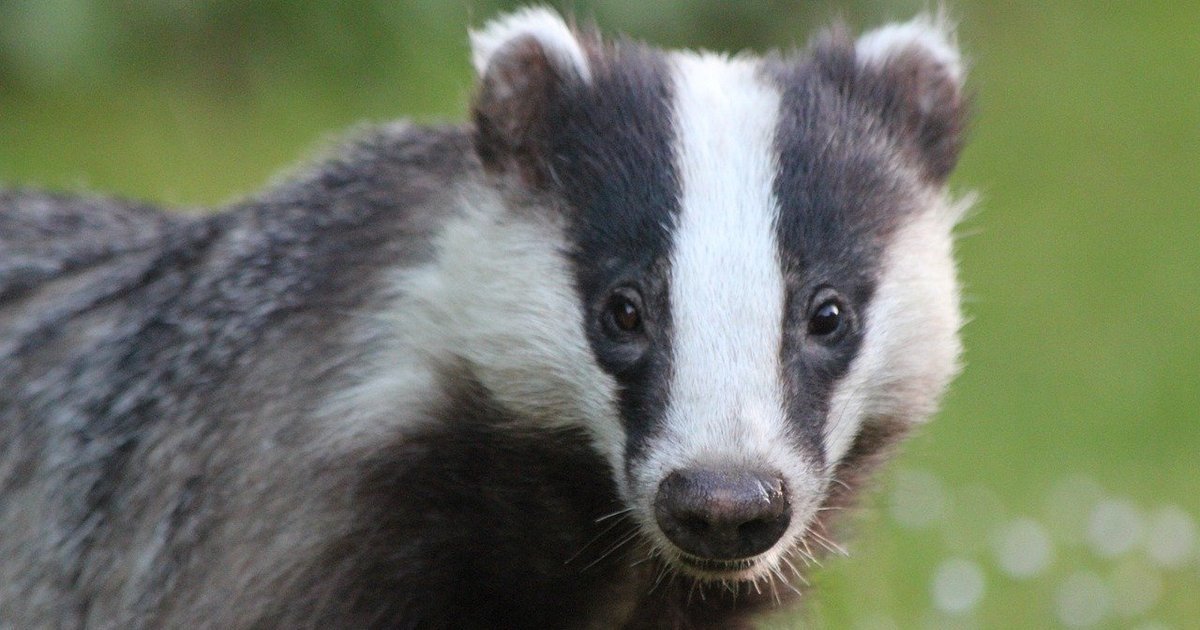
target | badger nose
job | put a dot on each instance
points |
(722, 514)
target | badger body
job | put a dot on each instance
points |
(612, 355)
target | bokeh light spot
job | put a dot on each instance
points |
(1023, 548)
(1170, 537)
(1083, 600)
(1115, 527)
(958, 586)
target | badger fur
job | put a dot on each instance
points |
(612, 355)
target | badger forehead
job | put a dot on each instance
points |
(656, 136)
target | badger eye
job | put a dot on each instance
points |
(624, 313)
(827, 319)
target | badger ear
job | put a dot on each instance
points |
(527, 63)
(915, 73)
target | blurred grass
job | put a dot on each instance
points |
(1082, 262)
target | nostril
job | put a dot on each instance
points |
(751, 528)
(722, 514)
(754, 529)
(695, 524)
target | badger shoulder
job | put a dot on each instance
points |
(377, 188)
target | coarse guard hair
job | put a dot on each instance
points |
(613, 354)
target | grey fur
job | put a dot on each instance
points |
(148, 359)
(171, 449)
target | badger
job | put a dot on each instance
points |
(613, 354)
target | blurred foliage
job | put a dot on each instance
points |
(1075, 424)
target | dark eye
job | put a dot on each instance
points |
(624, 313)
(827, 319)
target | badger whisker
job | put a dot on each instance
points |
(611, 526)
(612, 549)
(829, 544)
(787, 582)
(622, 513)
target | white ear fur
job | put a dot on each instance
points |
(931, 34)
(542, 24)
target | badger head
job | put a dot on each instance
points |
(728, 270)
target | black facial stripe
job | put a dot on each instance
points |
(611, 158)
(840, 200)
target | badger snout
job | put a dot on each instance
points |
(722, 514)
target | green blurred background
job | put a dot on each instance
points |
(1061, 484)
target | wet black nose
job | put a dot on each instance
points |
(722, 514)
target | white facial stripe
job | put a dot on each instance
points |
(726, 287)
(911, 348)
